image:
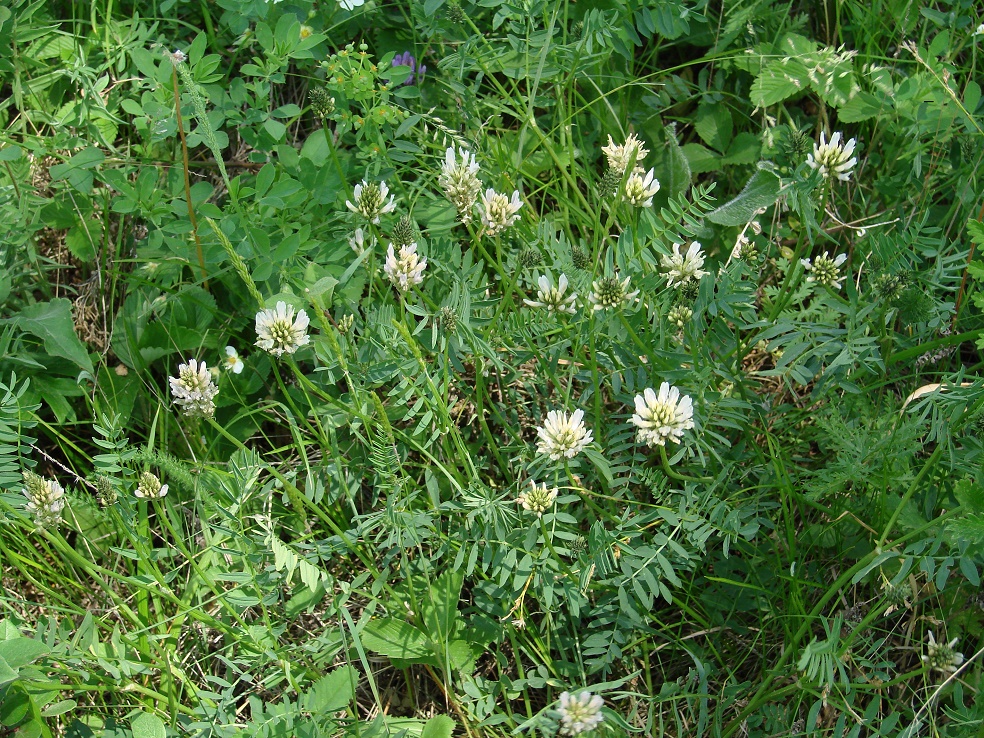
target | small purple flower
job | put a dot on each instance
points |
(406, 59)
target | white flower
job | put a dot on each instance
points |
(834, 158)
(358, 241)
(684, 267)
(980, 30)
(178, 57)
(279, 332)
(460, 181)
(619, 156)
(640, 188)
(563, 435)
(232, 362)
(664, 416)
(942, 657)
(824, 270)
(45, 499)
(351, 4)
(498, 212)
(552, 298)
(193, 390)
(150, 487)
(580, 712)
(538, 499)
(407, 270)
(370, 200)
(609, 292)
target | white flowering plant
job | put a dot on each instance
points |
(600, 391)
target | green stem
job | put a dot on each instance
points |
(668, 470)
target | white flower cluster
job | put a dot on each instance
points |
(150, 487)
(554, 299)
(610, 292)
(405, 270)
(193, 390)
(579, 712)
(640, 188)
(664, 416)
(681, 268)
(620, 156)
(45, 499)
(460, 182)
(563, 436)
(641, 185)
(942, 656)
(538, 499)
(825, 270)
(461, 185)
(498, 212)
(833, 159)
(279, 332)
(370, 201)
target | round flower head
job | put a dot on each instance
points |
(824, 270)
(150, 487)
(610, 292)
(553, 298)
(232, 361)
(460, 182)
(579, 712)
(538, 499)
(833, 159)
(563, 435)
(407, 269)
(941, 656)
(681, 268)
(640, 188)
(664, 416)
(370, 201)
(45, 499)
(279, 332)
(620, 156)
(499, 212)
(193, 390)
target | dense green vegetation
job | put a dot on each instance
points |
(490, 368)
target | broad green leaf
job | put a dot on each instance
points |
(761, 191)
(862, 106)
(396, 639)
(146, 725)
(76, 169)
(674, 171)
(7, 675)
(82, 240)
(701, 159)
(22, 651)
(975, 229)
(52, 323)
(15, 706)
(777, 82)
(59, 708)
(30, 729)
(439, 726)
(714, 124)
(333, 692)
